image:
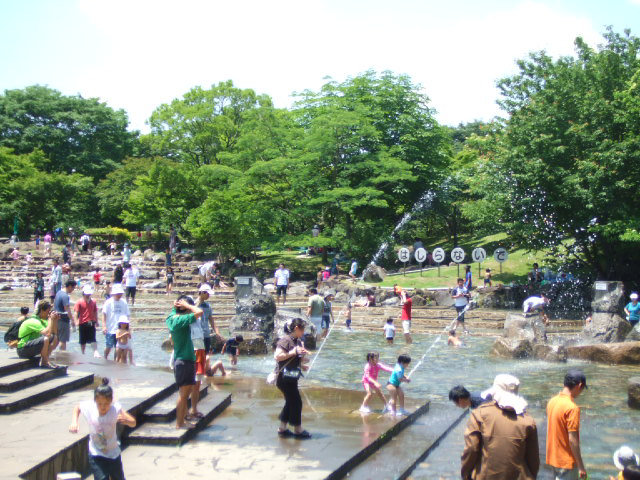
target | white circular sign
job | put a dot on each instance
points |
(420, 255)
(479, 254)
(457, 255)
(438, 255)
(500, 254)
(404, 254)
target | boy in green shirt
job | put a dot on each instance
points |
(179, 322)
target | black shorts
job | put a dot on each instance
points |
(281, 289)
(131, 292)
(87, 333)
(232, 351)
(32, 348)
(104, 468)
(207, 344)
(184, 372)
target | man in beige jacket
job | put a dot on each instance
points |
(501, 438)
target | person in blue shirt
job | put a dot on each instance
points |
(468, 277)
(395, 390)
(633, 310)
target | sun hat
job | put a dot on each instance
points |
(87, 290)
(123, 319)
(117, 289)
(504, 392)
(625, 456)
(205, 288)
(633, 296)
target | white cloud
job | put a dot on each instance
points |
(154, 51)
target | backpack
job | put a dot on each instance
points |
(12, 336)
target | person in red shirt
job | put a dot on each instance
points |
(405, 316)
(87, 315)
(97, 277)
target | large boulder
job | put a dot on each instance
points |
(391, 302)
(157, 258)
(519, 326)
(254, 314)
(626, 353)
(137, 253)
(148, 274)
(608, 297)
(633, 391)
(374, 273)
(634, 334)
(606, 327)
(419, 301)
(512, 348)
(148, 253)
(550, 353)
(443, 298)
(158, 284)
(5, 288)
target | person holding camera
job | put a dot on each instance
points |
(38, 334)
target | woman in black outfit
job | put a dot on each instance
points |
(118, 273)
(290, 354)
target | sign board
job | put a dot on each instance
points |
(479, 254)
(404, 255)
(601, 286)
(500, 254)
(420, 255)
(438, 255)
(457, 255)
(243, 281)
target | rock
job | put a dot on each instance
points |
(157, 258)
(634, 334)
(633, 391)
(342, 297)
(606, 327)
(158, 284)
(184, 257)
(626, 353)
(374, 273)
(148, 274)
(517, 326)
(258, 304)
(418, 301)
(269, 288)
(608, 297)
(512, 348)
(5, 288)
(81, 267)
(283, 316)
(252, 344)
(148, 253)
(254, 314)
(391, 301)
(443, 298)
(550, 353)
(97, 254)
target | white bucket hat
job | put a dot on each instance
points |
(205, 288)
(504, 392)
(123, 319)
(87, 290)
(633, 296)
(117, 289)
(625, 456)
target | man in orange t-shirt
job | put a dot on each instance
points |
(563, 429)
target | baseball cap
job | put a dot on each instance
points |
(574, 377)
(205, 288)
(633, 296)
(117, 289)
(625, 456)
(87, 290)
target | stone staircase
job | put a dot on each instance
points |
(152, 305)
(24, 385)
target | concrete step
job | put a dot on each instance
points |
(165, 410)
(166, 433)
(32, 376)
(42, 392)
(9, 366)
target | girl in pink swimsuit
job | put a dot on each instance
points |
(370, 381)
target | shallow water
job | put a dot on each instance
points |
(607, 422)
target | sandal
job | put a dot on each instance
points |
(285, 433)
(303, 435)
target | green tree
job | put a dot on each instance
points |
(77, 135)
(565, 173)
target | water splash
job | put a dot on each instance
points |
(423, 202)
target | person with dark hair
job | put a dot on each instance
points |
(290, 355)
(230, 347)
(405, 317)
(62, 305)
(24, 311)
(461, 397)
(55, 280)
(103, 415)
(460, 296)
(281, 277)
(468, 278)
(395, 390)
(179, 322)
(454, 341)
(632, 472)
(118, 273)
(370, 381)
(38, 334)
(563, 429)
(87, 312)
(38, 288)
(624, 458)
(112, 310)
(315, 308)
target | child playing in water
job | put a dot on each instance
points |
(210, 370)
(327, 315)
(123, 336)
(347, 314)
(453, 340)
(389, 330)
(103, 415)
(395, 390)
(487, 277)
(370, 381)
(231, 347)
(107, 290)
(169, 277)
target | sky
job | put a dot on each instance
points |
(139, 54)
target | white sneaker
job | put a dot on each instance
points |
(401, 412)
(364, 410)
